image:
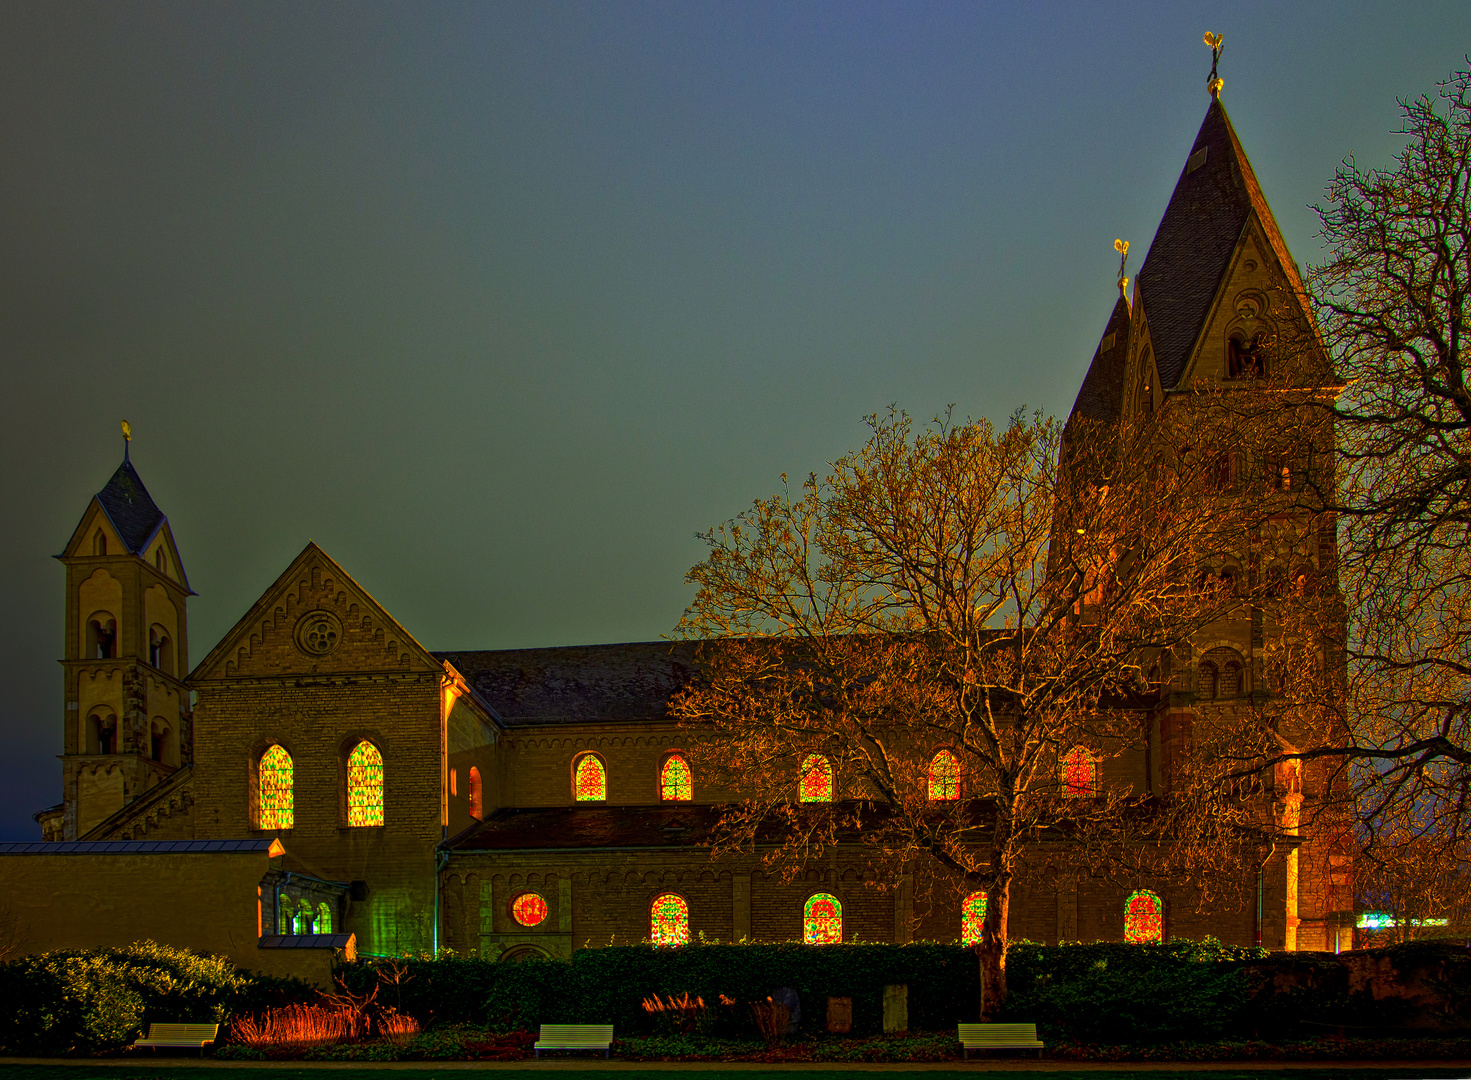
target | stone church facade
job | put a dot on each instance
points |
(520, 802)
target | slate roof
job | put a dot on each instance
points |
(129, 507)
(1101, 397)
(578, 684)
(136, 847)
(1192, 247)
(308, 941)
(664, 825)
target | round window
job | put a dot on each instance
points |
(528, 909)
(318, 633)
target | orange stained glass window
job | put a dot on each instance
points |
(528, 909)
(474, 781)
(1144, 917)
(972, 916)
(822, 920)
(276, 775)
(365, 785)
(669, 920)
(675, 784)
(944, 776)
(1079, 773)
(591, 779)
(817, 779)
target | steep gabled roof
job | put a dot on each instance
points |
(1101, 396)
(1211, 204)
(130, 508)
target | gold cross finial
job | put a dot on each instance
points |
(1122, 247)
(1215, 82)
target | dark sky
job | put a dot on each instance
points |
(500, 303)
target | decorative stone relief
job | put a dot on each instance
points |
(318, 633)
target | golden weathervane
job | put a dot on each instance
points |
(1215, 82)
(1122, 247)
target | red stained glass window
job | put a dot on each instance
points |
(276, 775)
(817, 779)
(822, 920)
(944, 777)
(669, 920)
(675, 783)
(972, 916)
(1079, 773)
(365, 785)
(590, 782)
(1144, 917)
(528, 909)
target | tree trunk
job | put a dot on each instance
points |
(991, 949)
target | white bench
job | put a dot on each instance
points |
(187, 1036)
(999, 1037)
(575, 1037)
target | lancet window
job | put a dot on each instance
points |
(590, 779)
(944, 778)
(1079, 773)
(365, 785)
(275, 775)
(822, 920)
(817, 779)
(669, 920)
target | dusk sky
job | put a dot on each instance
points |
(501, 303)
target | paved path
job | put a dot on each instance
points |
(565, 1064)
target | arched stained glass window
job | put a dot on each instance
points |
(1144, 917)
(275, 776)
(324, 918)
(944, 777)
(1079, 773)
(972, 916)
(590, 780)
(669, 920)
(675, 782)
(528, 909)
(817, 779)
(822, 920)
(474, 781)
(365, 785)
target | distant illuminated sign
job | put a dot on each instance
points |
(1382, 920)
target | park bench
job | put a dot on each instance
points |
(999, 1037)
(188, 1036)
(574, 1037)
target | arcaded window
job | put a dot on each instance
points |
(474, 781)
(669, 920)
(365, 785)
(529, 909)
(1210, 677)
(1079, 773)
(161, 742)
(589, 779)
(160, 649)
(101, 732)
(972, 918)
(101, 637)
(275, 777)
(324, 918)
(675, 782)
(944, 776)
(1144, 917)
(817, 779)
(1221, 674)
(822, 920)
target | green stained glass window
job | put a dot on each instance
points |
(675, 784)
(1079, 773)
(822, 920)
(944, 776)
(669, 920)
(972, 917)
(817, 779)
(1144, 917)
(590, 782)
(324, 918)
(275, 775)
(365, 785)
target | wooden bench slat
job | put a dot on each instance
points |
(999, 1037)
(574, 1037)
(182, 1036)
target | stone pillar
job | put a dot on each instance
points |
(896, 1008)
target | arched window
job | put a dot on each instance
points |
(817, 779)
(675, 782)
(1146, 393)
(101, 636)
(972, 917)
(160, 649)
(159, 561)
(528, 909)
(275, 776)
(822, 920)
(99, 543)
(101, 732)
(324, 918)
(474, 781)
(365, 785)
(1220, 674)
(1144, 917)
(1209, 677)
(161, 743)
(1246, 359)
(944, 777)
(669, 920)
(590, 779)
(1079, 773)
(1230, 680)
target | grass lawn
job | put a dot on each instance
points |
(135, 1070)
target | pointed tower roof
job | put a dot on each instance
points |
(1211, 204)
(1101, 397)
(130, 508)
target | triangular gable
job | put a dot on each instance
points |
(276, 638)
(80, 543)
(164, 536)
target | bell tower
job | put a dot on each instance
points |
(126, 720)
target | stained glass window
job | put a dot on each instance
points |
(1144, 917)
(944, 776)
(817, 779)
(972, 915)
(324, 918)
(275, 774)
(669, 920)
(822, 920)
(591, 782)
(528, 909)
(365, 785)
(1079, 773)
(674, 782)
(475, 804)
